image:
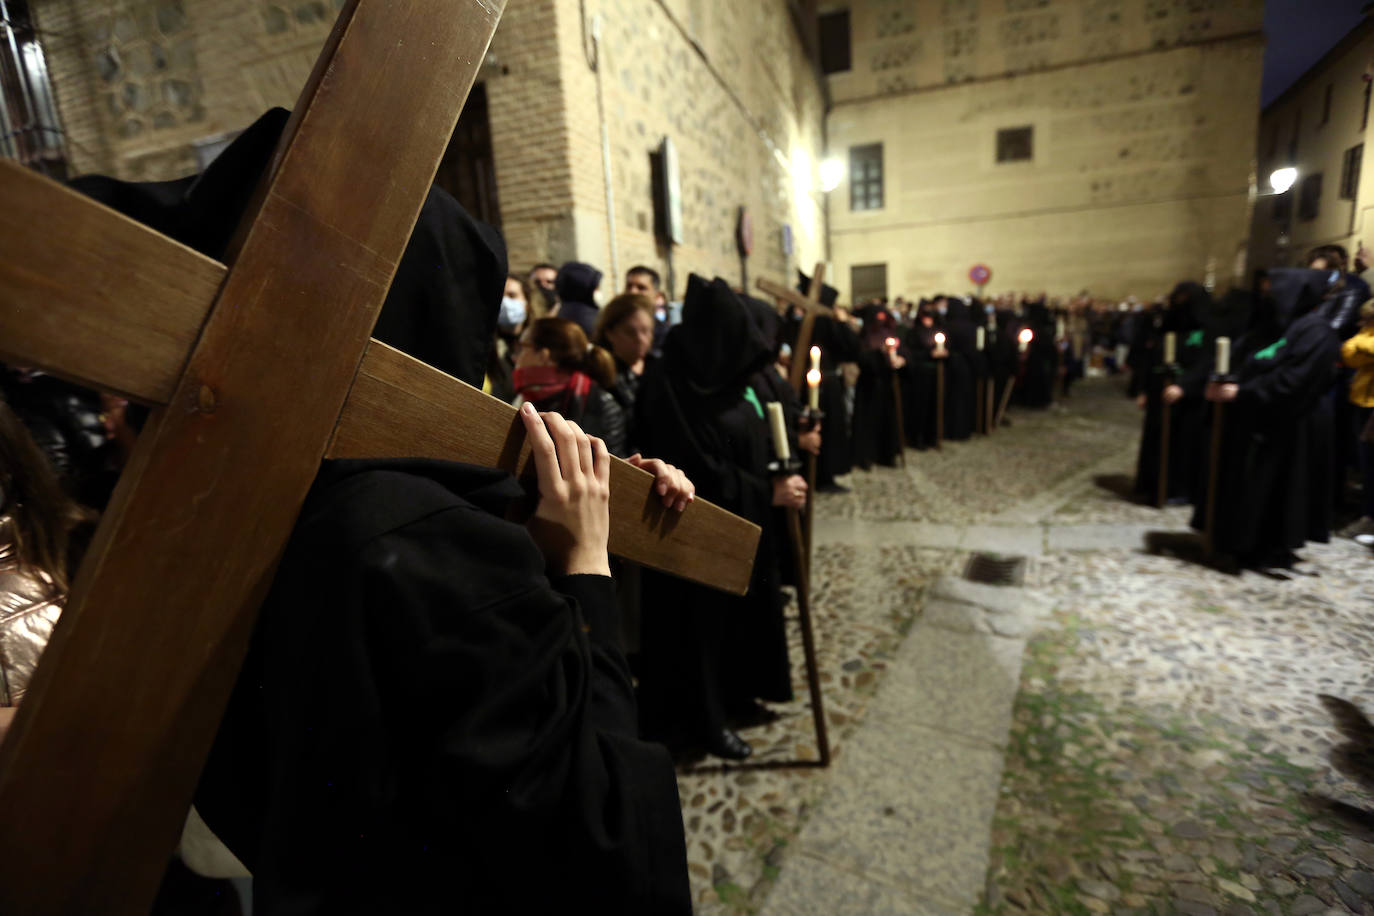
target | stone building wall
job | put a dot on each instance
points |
(141, 82)
(1144, 122)
(1299, 130)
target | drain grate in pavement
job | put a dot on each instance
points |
(996, 569)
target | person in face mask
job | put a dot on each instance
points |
(542, 283)
(510, 322)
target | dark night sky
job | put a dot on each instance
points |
(1300, 32)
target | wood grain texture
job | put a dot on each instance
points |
(400, 406)
(101, 761)
(90, 295)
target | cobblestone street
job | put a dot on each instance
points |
(1127, 732)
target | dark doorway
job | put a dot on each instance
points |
(468, 170)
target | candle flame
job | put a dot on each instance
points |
(813, 378)
(892, 342)
(939, 340)
(815, 352)
(1026, 335)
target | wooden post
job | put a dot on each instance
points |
(901, 422)
(811, 462)
(813, 672)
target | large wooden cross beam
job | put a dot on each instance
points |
(810, 304)
(259, 368)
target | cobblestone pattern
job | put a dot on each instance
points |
(739, 819)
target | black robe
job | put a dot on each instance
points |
(1187, 317)
(961, 372)
(426, 722)
(874, 429)
(706, 654)
(919, 387)
(1275, 467)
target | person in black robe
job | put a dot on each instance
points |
(919, 378)
(434, 712)
(839, 344)
(961, 370)
(1274, 478)
(708, 657)
(876, 440)
(1040, 363)
(1182, 387)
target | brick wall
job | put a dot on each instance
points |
(140, 82)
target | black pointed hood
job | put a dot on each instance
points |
(829, 294)
(1189, 307)
(1295, 292)
(441, 307)
(718, 345)
(577, 282)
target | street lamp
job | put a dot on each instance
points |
(832, 173)
(1283, 179)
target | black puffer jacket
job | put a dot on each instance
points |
(598, 413)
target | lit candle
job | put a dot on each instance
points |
(939, 343)
(1170, 348)
(1223, 356)
(1059, 329)
(815, 359)
(982, 336)
(892, 346)
(779, 427)
(1024, 339)
(813, 382)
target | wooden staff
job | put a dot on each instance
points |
(811, 462)
(813, 672)
(939, 404)
(897, 405)
(978, 419)
(1164, 417)
(1006, 398)
(1209, 536)
(991, 395)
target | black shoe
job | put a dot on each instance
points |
(728, 745)
(753, 715)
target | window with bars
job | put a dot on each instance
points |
(1016, 144)
(1350, 172)
(866, 177)
(1310, 198)
(29, 128)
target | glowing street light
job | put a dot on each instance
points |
(832, 173)
(1282, 179)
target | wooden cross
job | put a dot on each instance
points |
(810, 304)
(258, 369)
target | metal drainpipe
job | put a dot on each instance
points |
(605, 150)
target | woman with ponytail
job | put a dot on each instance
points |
(558, 370)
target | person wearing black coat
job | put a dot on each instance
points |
(576, 285)
(558, 370)
(1181, 386)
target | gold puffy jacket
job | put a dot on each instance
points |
(29, 607)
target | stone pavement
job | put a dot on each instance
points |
(1126, 733)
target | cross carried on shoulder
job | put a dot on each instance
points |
(810, 304)
(257, 369)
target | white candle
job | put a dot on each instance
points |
(1024, 338)
(813, 382)
(815, 359)
(982, 336)
(1170, 347)
(779, 426)
(892, 346)
(1059, 329)
(1223, 355)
